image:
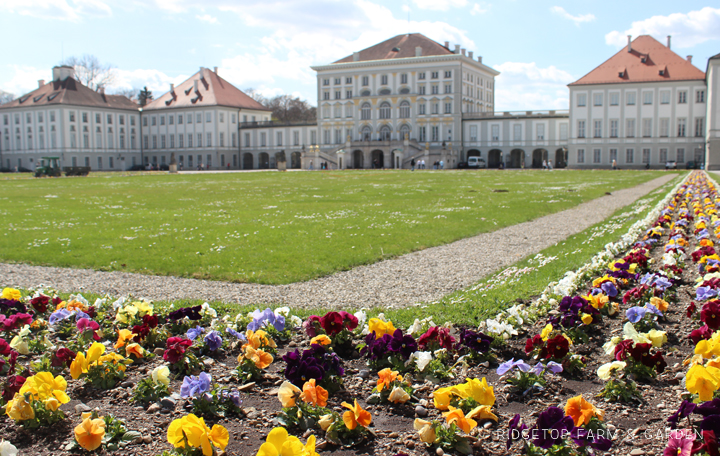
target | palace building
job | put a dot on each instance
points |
(407, 98)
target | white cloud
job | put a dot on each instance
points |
(580, 18)
(207, 18)
(156, 81)
(525, 86)
(439, 5)
(25, 79)
(479, 9)
(68, 10)
(687, 30)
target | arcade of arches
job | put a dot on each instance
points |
(519, 158)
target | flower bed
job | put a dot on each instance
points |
(596, 364)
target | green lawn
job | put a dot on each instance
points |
(273, 227)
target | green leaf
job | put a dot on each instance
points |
(131, 435)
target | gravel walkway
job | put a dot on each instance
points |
(421, 276)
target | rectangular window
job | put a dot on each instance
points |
(145, 142)
(199, 140)
(613, 128)
(680, 155)
(313, 137)
(421, 90)
(171, 120)
(338, 95)
(581, 156)
(180, 119)
(132, 121)
(597, 155)
(630, 98)
(172, 141)
(613, 155)
(699, 126)
(279, 138)
(421, 109)
(153, 121)
(263, 139)
(99, 162)
(581, 129)
(198, 118)
(52, 116)
(663, 155)
(630, 128)
(234, 121)
(154, 141)
(348, 80)
(434, 89)
(699, 97)
(614, 98)
(247, 139)
(326, 95)
(208, 163)
(540, 132)
(222, 139)
(682, 96)
(681, 127)
(665, 97)
(434, 74)
(338, 136)
(403, 78)
(365, 81)
(563, 131)
(296, 138)
(647, 128)
(71, 116)
(597, 99)
(495, 132)
(84, 117)
(337, 111)
(629, 156)
(208, 117)
(646, 156)
(422, 134)
(448, 74)
(421, 75)
(162, 141)
(435, 133)
(162, 120)
(189, 118)
(597, 129)
(581, 99)
(326, 136)
(326, 82)
(190, 141)
(348, 94)
(111, 163)
(383, 79)
(473, 133)
(448, 108)
(234, 140)
(448, 88)
(647, 98)
(517, 132)
(664, 127)
(181, 138)
(337, 81)
(436, 108)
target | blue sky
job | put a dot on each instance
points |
(538, 46)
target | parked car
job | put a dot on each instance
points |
(476, 162)
(693, 165)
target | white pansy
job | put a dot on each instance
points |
(7, 448)
(119, 303)
(295, 321)
(284, 311)
(362, 318)
(422, 359)
(99, 303)
(604, 372)
(206, 310)
(79, 298)
(415, 328)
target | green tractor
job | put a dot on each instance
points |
(51, 169)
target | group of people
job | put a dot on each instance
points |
(421, 164)
(547, 165)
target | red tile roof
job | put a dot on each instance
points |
(212, 91)
(400, 47)
(657, 57)
(70, 92)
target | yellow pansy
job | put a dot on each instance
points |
(19, 409)
(425, 430)
(161, 375)
(703, 381)
(547, 330)
(380, 328)
(11, 294)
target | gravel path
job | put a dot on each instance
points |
(421, 276)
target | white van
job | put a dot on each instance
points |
(476, 162)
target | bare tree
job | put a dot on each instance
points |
(132, 94)
(6, 97)
(288, 109)
(256, 95)
(91, 73)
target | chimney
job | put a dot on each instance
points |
(356, 56)
(172, 87)
(669, 41)
(215, 70)
(629, 43)
(462, 51)
(447, 44)
(41, 82)
(61, 73)
(101, 90)
(418, 51)
(195, 83)
(457, 48)
(470, 54)
(479, 59)
(689, 59)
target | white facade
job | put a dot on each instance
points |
(637, 124)
(712, 138)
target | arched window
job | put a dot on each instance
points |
(365, 111)
(404, 130)
(385, 133)
(404, 110)
(385, 110)
(366, 133)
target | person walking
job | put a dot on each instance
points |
(412, 165)
(442, 164)
(614, 164)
